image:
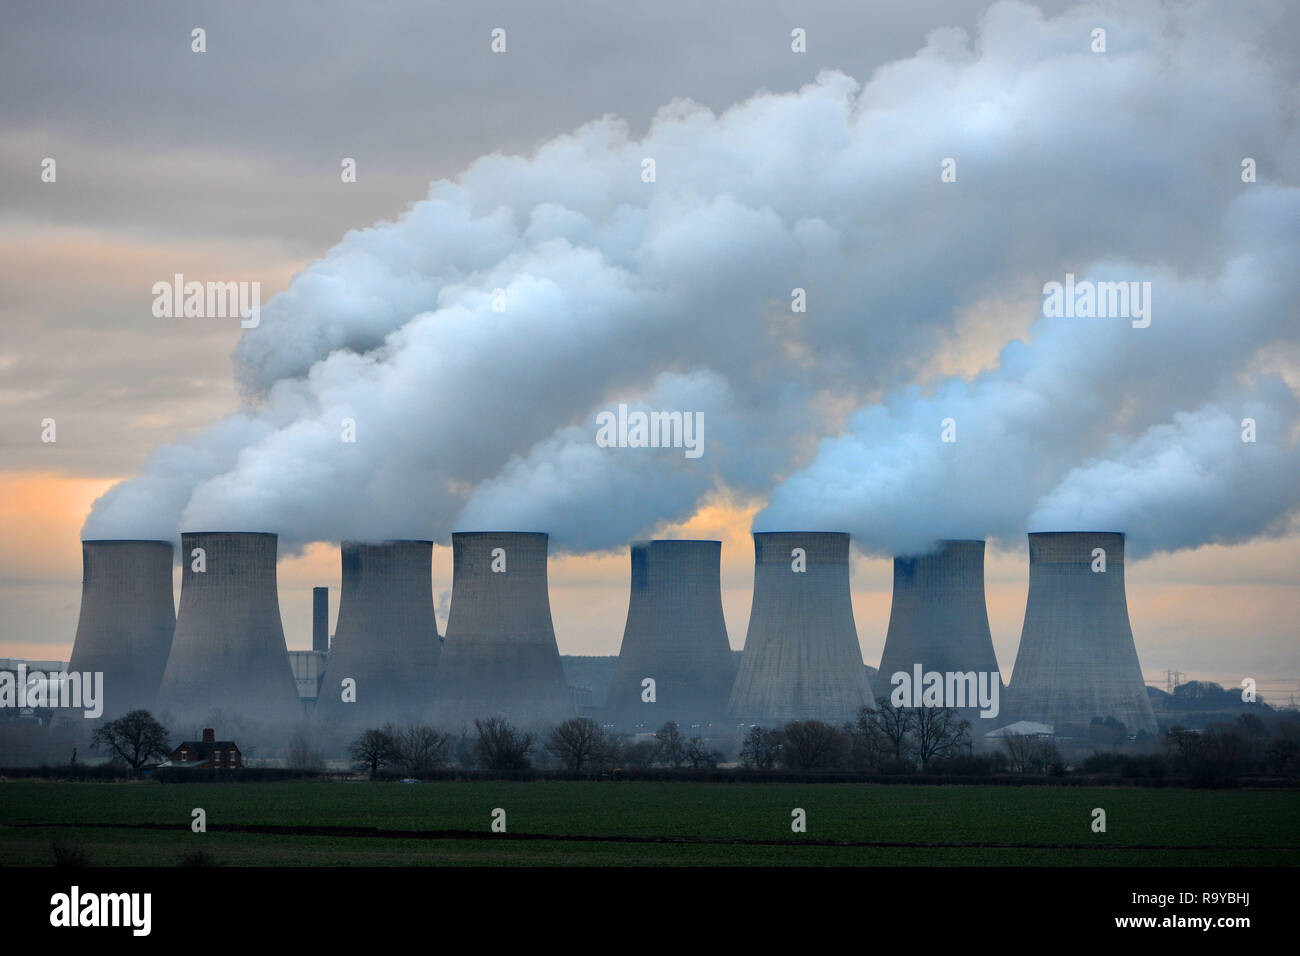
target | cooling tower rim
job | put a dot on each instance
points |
(939, 544)
(1034, 534)
(481, 534)
(679, 541)
(828, 534)
(386, 542)
(109, 541)
(244, 534)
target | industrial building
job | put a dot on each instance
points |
(228, 653)
(386, 642)
(802, 659)
(1077, 659)
(127, 620)
(675, 662)
(500, 657)
(939, 621)
(308, 668)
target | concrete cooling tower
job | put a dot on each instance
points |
(500, 658)
(127, 619)
(1077, 659)
(675, 636)
(229, 652)
(386, 638)
(801, 660)
(939, 621)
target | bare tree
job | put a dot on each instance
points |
(500, 746)
(300, 755)
(884, 733)
(374, 749)
(640, 754)
(421, 749)
(813, 745)
(761, 749)
(671, 744)
(135, 738)
(1020, 751)
(939, 732)
(1030, 754)
(698, 755)
(613, 748)
(578, 743)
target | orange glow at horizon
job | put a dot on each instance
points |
(41, 514)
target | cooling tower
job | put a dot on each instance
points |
(229, 652)
(386, 639)
(499, 658)
(939, 621)
(1077, 659)
(127, 619)
(320, 620)
(676, 636)
(801, 660)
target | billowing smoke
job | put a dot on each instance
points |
(470, 346)
(1092, 424)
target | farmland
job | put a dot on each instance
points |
(320, 823)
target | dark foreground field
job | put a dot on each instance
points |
(567, 823)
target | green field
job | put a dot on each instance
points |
(641, 823)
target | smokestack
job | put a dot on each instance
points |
(320, 619)
(387, 637)
(1077, 659)
(500, 658)
(127, 619)
(939, 620)
(229, 652)
(801, 660)
(676, 636)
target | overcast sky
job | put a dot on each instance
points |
(225, 165)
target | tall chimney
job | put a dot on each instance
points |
(940, 622)
(500, 657)
(229, 652)
(675, 636)
(1077, 659)
(127, 619)
(801, 660)
(209, 735)
(386, 641)
(320, 619)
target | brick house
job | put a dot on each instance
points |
(208, 752)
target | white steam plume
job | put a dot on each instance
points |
(676, 295)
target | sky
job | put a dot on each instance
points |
(524, 171)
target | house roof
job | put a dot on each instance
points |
(204, 748)
(1027, 727)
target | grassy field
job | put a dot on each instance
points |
(638, 823)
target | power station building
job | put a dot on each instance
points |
(1077, 659)
(939, 622)
(500, 657)
(229, 652)
(801, 660)
(386, 640)
(675, 662)
(127, 620)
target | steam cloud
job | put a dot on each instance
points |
(675, 295)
